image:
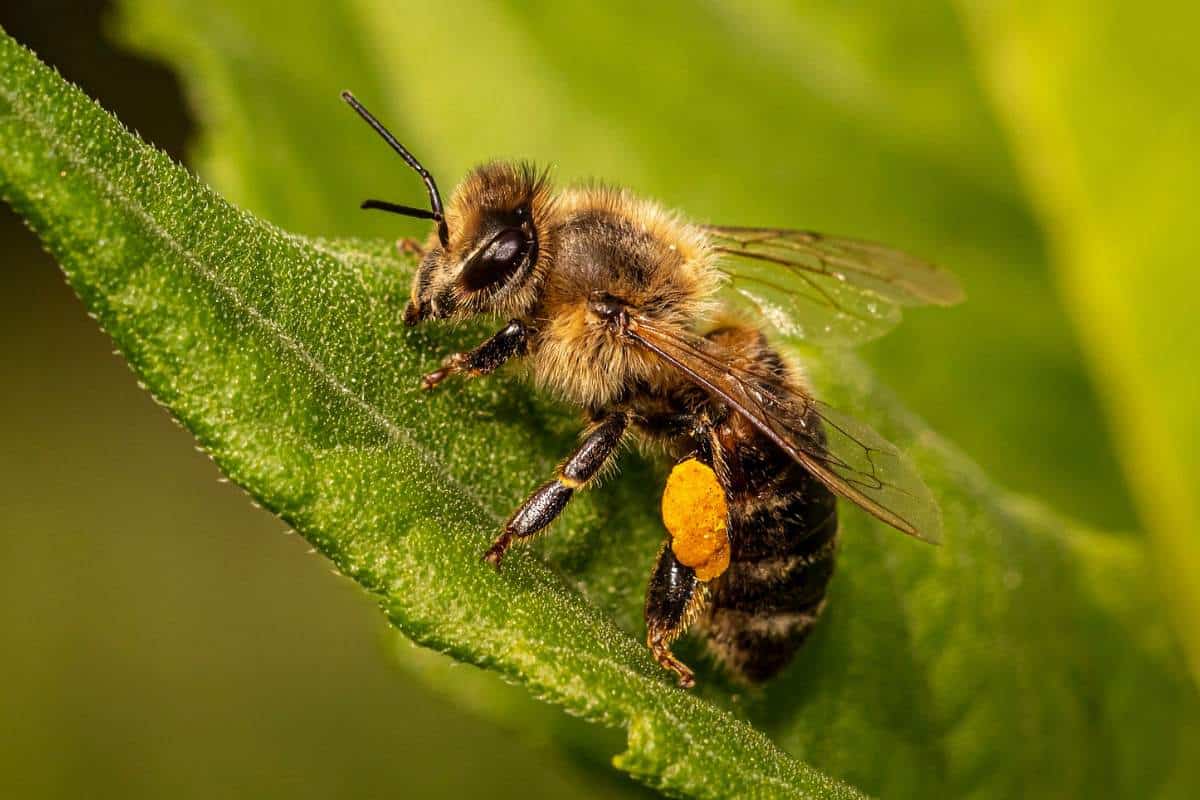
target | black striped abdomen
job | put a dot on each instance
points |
(783, 540)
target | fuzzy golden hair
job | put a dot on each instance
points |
(590, 241)
(609, 242)
(496, 187)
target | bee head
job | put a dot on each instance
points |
(489, 262)
(483, 259)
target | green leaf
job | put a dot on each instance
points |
(1023, 656)
(1101, 109)
(284, 357)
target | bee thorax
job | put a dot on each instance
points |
(581, 356)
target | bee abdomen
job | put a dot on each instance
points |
(783, 582)
(783, 554)
(756, 646)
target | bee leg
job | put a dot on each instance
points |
(548, 501)
(486, 358)
(674, 598)
(410, 246)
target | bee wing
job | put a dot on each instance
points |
(852, 460)
(826, 289)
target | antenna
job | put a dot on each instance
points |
(435, 198)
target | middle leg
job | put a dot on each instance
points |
(547, 502)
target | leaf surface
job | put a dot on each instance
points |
(284, 357)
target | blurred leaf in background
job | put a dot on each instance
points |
(863, 121)
(1101, 106)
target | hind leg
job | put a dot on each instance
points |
(674, 598)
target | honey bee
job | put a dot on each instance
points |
(637, 316)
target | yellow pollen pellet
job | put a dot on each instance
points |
(694, 511)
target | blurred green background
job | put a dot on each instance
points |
(162, 636)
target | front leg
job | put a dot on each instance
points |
(510, 341)
(545, 504)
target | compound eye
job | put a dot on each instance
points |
(497, 262)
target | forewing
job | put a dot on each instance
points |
(847, 456)
(881, 475)
(825, 289)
